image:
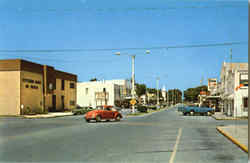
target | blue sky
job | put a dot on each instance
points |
(95, 24)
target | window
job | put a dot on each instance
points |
(72, 103)
(104, 89)
(54, 86)
(86, 91)
(245, 102)
(62, 85)
(72, 85)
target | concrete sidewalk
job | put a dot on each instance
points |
(49, 115)
(221, 116)
(238, 134)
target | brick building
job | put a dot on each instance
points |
(27, 87)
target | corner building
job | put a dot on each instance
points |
(27, 87)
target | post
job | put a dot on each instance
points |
(133, 82)
(167, 97)
(157, 87)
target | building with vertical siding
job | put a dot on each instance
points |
(27, 87)
(234, 89)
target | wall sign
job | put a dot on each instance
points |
(31, 81)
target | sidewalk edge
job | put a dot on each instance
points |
(45, 117)
(243, 147)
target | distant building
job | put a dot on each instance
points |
(99, 93)
(27, 87)
(212, 85)
(234, 89)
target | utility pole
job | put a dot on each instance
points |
(167, 98)
(173, 97)
(133, 82)
(157, 87)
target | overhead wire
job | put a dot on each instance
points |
(121, 49)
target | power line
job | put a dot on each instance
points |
(123, 49)
(67, 10)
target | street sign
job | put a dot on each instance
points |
(133, 102)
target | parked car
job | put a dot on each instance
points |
(201, 110)
(107, 113)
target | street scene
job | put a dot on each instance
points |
(164, 136)
(128, 81)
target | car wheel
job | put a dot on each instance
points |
(87, 120)
(98, 118)
(191, 113)
(118, 118)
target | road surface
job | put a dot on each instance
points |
(164, 136)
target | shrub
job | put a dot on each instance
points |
(153, 107)
(142, 109)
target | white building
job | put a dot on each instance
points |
(212, 86)
(234, 89)
(99, 93)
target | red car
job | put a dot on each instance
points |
(107, 113)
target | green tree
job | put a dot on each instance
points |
(191, 94)
(174, 96)
(140, 89)
(93, 79)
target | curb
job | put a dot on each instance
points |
(243, 147)
(146, 114)
(228, 118)
(45, 117)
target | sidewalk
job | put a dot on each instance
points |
(237, 134)
(49, 115)
(221, 116)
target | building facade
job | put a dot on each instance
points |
(27, 87)
(99, 93)
(212, 85)
(234, 89)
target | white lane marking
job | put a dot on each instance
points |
(175, 146)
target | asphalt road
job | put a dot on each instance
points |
(164, 136)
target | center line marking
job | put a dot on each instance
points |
(175, 146)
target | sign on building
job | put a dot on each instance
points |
(101, 95)
(244, 79)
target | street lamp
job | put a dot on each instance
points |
(133, 78)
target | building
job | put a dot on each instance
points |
(212, 85)
(27, 87)
(99, 93)
(234, 89)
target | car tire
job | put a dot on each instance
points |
(118, 118)
(98, 118)
(87, 120)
